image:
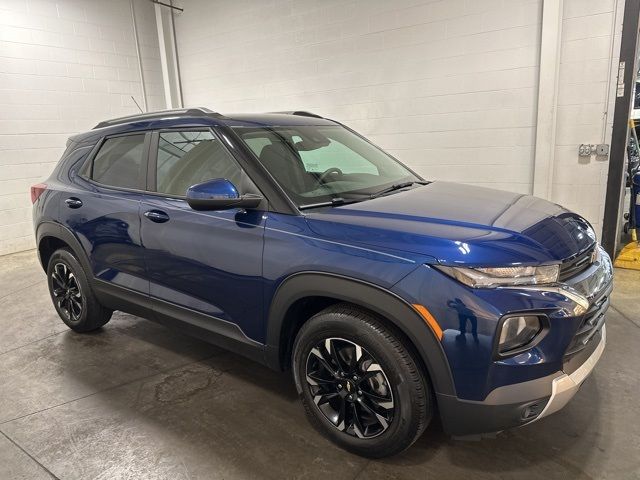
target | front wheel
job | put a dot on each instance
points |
(359, 384)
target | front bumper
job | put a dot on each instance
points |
(564, 387)
(518, 404)
(523, 402)
(495, 393)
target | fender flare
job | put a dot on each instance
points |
(377, 299)
(56, 230)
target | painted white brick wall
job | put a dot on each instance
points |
(449, 86)
(64, 65)
(580, 183)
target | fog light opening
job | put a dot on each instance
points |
(517, 332)
(532, 411)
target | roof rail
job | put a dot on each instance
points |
(181, 112)
(301, 113)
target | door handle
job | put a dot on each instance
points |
(73, 202)
(156, 216)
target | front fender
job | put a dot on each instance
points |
(374, 298)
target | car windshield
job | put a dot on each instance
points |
(319, 165)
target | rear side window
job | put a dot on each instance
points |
(119, 162)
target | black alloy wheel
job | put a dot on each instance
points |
(359, 383)
(72, 295)
(66, 292)
(350, 388)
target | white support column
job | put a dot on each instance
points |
(174, 57)
(168, 57)
(139, 58)
(544, 159)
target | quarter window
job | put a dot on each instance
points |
(191, 157)
(119, 162)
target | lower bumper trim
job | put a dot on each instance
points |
(566, 386)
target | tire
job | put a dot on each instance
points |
(72, 295)
(397, 392)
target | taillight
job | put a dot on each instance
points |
(37, 190)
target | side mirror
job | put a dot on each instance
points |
(219, 194)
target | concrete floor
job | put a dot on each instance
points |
(136, 400)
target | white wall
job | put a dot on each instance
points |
(580, 183)
(64, 65)
(450, 87)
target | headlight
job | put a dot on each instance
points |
(517, 332)
(503, 276)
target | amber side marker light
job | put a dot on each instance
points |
(428, 318)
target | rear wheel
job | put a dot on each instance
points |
(71, 294)
(359, 384)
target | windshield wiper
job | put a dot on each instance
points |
(393, 188)
(336, 201)
(332, 203)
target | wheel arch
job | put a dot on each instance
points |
(287, 313)
(50, 236)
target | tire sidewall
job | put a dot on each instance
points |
(64, 256)
(326, 325)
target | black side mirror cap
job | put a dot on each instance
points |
(219, 194)
(244, 201)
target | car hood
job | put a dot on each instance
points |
(460, 224)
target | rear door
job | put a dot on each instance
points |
(104, 211)
(207, 262)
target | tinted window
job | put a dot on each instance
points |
(119, 162)
(188, 158)
(322, 159)
(316, 164)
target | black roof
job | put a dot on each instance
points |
(195, 117)
(202, 112)
(180, 112)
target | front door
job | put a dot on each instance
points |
(208, 262)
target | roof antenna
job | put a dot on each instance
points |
(134, 101)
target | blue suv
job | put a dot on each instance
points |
(292, 240)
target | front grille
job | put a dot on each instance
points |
(591, 323)
(572, 267)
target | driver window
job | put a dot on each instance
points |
(190, 157)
